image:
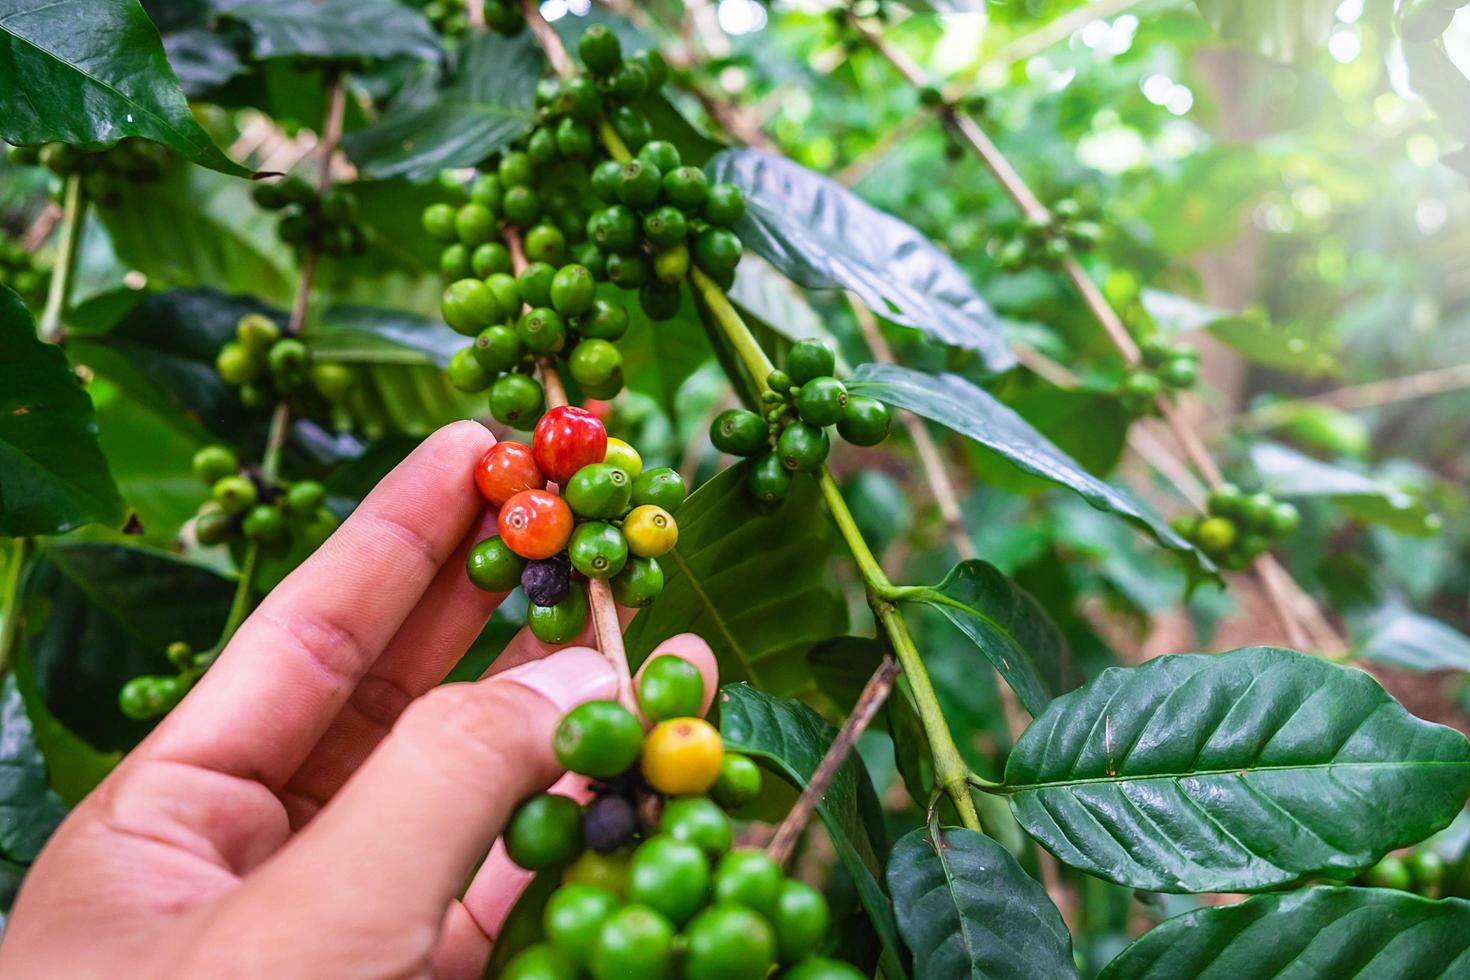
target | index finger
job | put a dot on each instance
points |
(295, 661)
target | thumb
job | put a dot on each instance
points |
(404, 833)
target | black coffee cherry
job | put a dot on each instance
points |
(608, 823)
(547, 581)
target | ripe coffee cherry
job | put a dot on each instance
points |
(598, 550)
(600, 491)
(575, 912)
(635, 941)
(568, 438)
(739, 432)
(608, 823)
(670, 687)
(809, 359)
(544, 832)
(739, 782)
(600, 739)
(802, 447)
(801, 921)
(661, 486)
(516, 399)
(562, 622)
(492, 566)
(605, 321)
(547, 581)
(865, 421)
(498, 348)
(728, 942)
(651, 531)
(681, 756)
(505, 470)
(535, 523)
(750, 878)
(214, 463)
(639, 583)
(669, 876)
(624, 457)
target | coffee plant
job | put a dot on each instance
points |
(1052, 416)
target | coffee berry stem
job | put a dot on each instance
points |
(58, 296)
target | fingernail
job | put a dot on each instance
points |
(568, 677)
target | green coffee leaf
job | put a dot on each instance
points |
(487, 105)
(29, 810)
(967, 909)
(1234, 772)
(976, 414)
(824, 236)
(334, 29)
(1317, 932)
(1400, 637)
(791, 739)
(91, 73)
(758, 587)
(1008, 625)
(1288, 473)
(53, 476)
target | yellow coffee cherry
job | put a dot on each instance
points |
(651, 531)
(682, 756)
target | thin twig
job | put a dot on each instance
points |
(875, 692)
(58, 294)
(41, 228)
(546, 36)
(1421, 384)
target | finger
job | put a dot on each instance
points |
(499, 882)
(405, 831)
(432, 639)
(294, 662)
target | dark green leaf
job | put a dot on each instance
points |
(90, 73)
(757, 586)
(659, 357)
(29, 810)
(1316, 932)
(11, 875)
(52, 474)
(1401, 637)
(967, 909)
(771, 298)
(334, 29)
(1008, 625)
(1288, 473)
(973, 412)
(73, 767)
(823, 236)
(489, 104)
(791, 738)
(1234, 772)
(98, 615)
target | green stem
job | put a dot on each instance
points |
(10, 601)
(739, 335)
(275, 441)
(867, 563)
(74, 206)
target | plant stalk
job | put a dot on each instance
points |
(20, 550)
(58, 295)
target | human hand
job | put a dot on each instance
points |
(318, 801)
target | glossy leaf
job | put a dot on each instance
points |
(1288, 473)
(488, 104)
(967, 909)
(1315, 932)
(1400, 637)
(791, 738)
(824, 236)
(758, 587)
(1234, 772)
(334, 29)
(29, 810)
(1008, 625)
(91, 73)
(98, 615)
(764, 293)
(973, 412)
(53, 476)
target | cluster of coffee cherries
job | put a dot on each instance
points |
(791, 437)
(1238, 526)
(151, 695)
(266, 366)
(611, 520)
(652, 886)
(326, 222)
(1420, 870)
(1163, 367)
(104, 172)
(582, 219)
(243, 504)
(448, 18)
(1036, 239)
(19, 271)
